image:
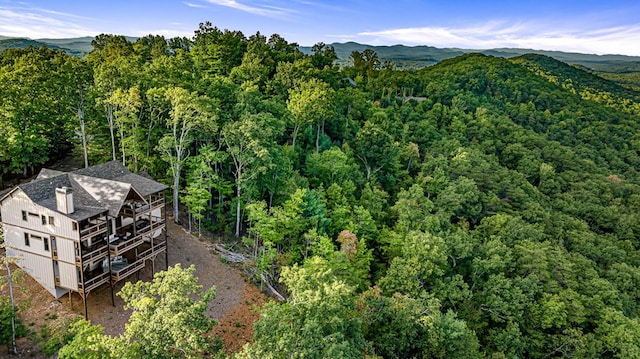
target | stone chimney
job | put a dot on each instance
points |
(64, 200)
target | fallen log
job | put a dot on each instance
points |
(230, 256)
(274, 292)
(234, 257)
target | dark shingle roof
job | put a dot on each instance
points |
(114, 170)
(43, 192)
(142, 185)
(96, 189)
(48, 173)
(107, 170)
(109, 193)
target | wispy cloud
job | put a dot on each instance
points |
(324, 6)
(254, 8)
(40, 23)
(190, 4)
(495, 34)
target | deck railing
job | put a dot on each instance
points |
(150, 252)
(100, 251)
(126, 271)
(139, 208)
(93, 282)
(93, 229)
(123, 244)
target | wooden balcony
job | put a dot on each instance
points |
(93, 229)
(126, 240)
(139, 209)
(149, 251)
(93, 282)
(99, 251)
(121, 273)
(97, 248)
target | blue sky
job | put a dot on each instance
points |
(600, 27)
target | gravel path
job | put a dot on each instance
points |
(233, 308)
(186, 249)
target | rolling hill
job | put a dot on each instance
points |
(421, 56)
(403, 56)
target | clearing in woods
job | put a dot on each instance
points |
(234, 306)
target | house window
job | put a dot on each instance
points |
(24, 215)
(44, 219)
(75, 226)
(46, 244)
(51, 220)
(26, 239)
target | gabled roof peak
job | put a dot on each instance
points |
(96, 189)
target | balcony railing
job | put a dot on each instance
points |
(135, 210)
(147, 254)
(144, 231)
(94, 282)
(93, 229)
(117, 275)
(99, 251)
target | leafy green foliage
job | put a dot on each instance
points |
(6, 313)
(168, 321)
(319, 320)
(483, 206)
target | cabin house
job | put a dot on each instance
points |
(76, 231)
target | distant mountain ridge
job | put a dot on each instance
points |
(403, 56)
(77, 46)
(423, 55)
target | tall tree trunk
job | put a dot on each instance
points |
(13, 307)
(84, 144)
(318, 139)
(124, 159)
(83, 132)
(238, 212)
(113, 139)
(135, 152)
(176, 189)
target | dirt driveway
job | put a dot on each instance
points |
(233, 308)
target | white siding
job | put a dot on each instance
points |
(68, 276)
(15, 239)
(40, 268)
(66, 250)
(17, 202)
(60, 292)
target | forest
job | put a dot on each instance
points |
(482, 207)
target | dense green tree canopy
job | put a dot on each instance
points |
(167, 321)
(479, 207)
